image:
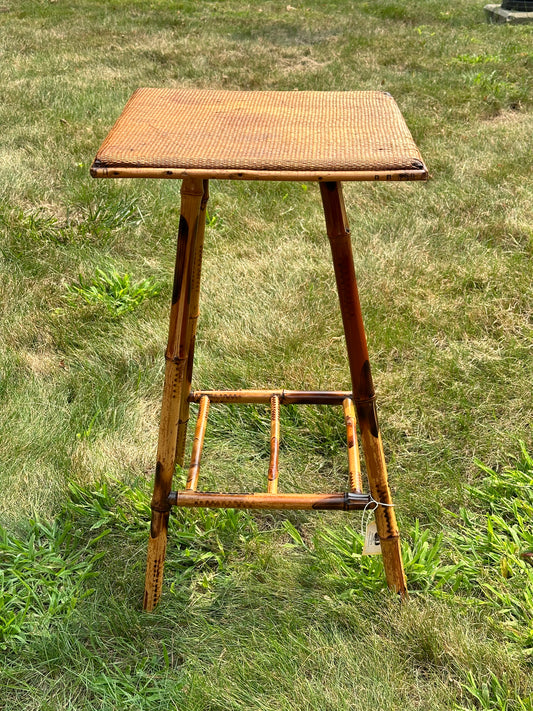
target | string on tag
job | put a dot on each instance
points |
(365, 517)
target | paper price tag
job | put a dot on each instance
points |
(372, 543)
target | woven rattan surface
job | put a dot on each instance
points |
(299, 135)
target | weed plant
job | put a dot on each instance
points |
(264, 611)
(113, 290)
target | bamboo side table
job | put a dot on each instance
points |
(326, 137)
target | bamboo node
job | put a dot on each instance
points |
(161, 509)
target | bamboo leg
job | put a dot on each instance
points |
(192, 323)
(363, 389)
(274, 446)
(175, 371)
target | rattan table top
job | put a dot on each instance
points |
(263, 135)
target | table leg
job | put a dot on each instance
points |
(177, 354)
(194, 313)
(363, 388)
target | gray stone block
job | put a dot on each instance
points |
(497, 15)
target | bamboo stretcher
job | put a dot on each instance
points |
(351, 500)
(325, 137)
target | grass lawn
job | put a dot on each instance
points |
(265, 611)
